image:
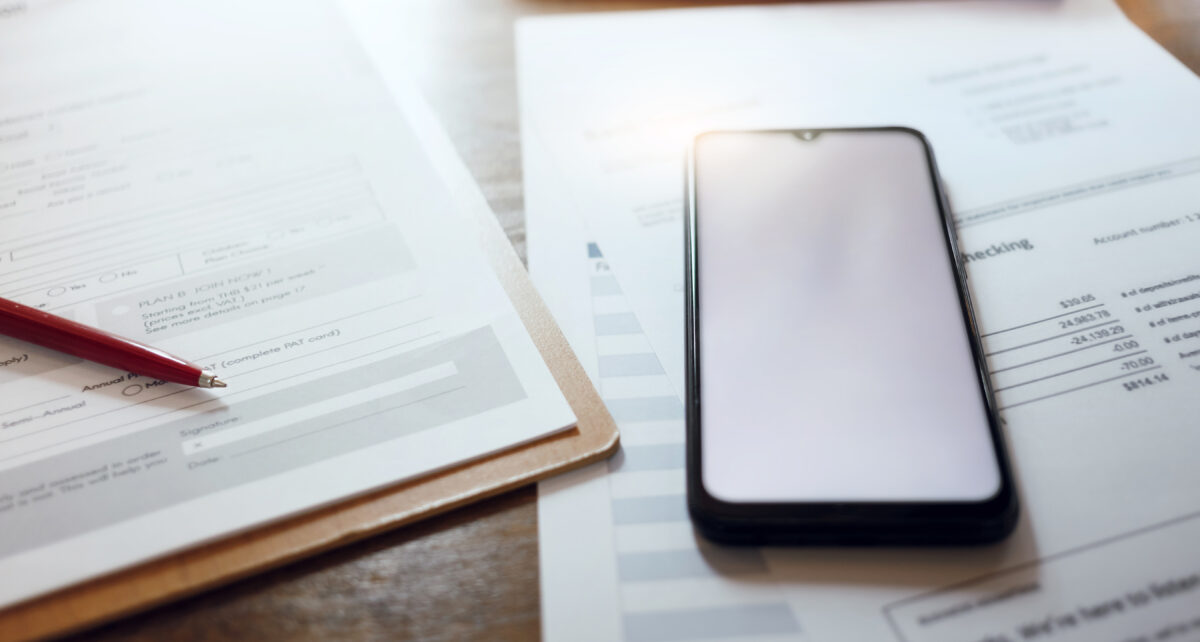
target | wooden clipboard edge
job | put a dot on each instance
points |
(193, 571)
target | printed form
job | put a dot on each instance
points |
(252, 199)
(1072, 172)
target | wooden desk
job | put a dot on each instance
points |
(471, 574)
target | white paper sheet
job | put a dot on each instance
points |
(1071, 168)
(250, 198)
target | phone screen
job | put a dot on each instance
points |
(835, 360)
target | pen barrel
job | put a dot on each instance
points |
(54, 332)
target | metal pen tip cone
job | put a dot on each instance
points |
(209, 380)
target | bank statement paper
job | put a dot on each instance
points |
(230, 182)
(1068, 144)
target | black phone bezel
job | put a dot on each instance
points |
(908, 523)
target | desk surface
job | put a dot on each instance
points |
(473, 573)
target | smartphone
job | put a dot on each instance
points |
(837, 391)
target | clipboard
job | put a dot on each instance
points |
(238, 556)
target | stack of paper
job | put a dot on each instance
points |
(232, 183)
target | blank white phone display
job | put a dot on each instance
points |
(835, 362)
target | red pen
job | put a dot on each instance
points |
(54, 332)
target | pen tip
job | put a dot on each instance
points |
(209, 380)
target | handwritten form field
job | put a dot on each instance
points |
(232, 183)
(1072, 173)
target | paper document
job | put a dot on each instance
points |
(1072, 171)
(249, 198)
